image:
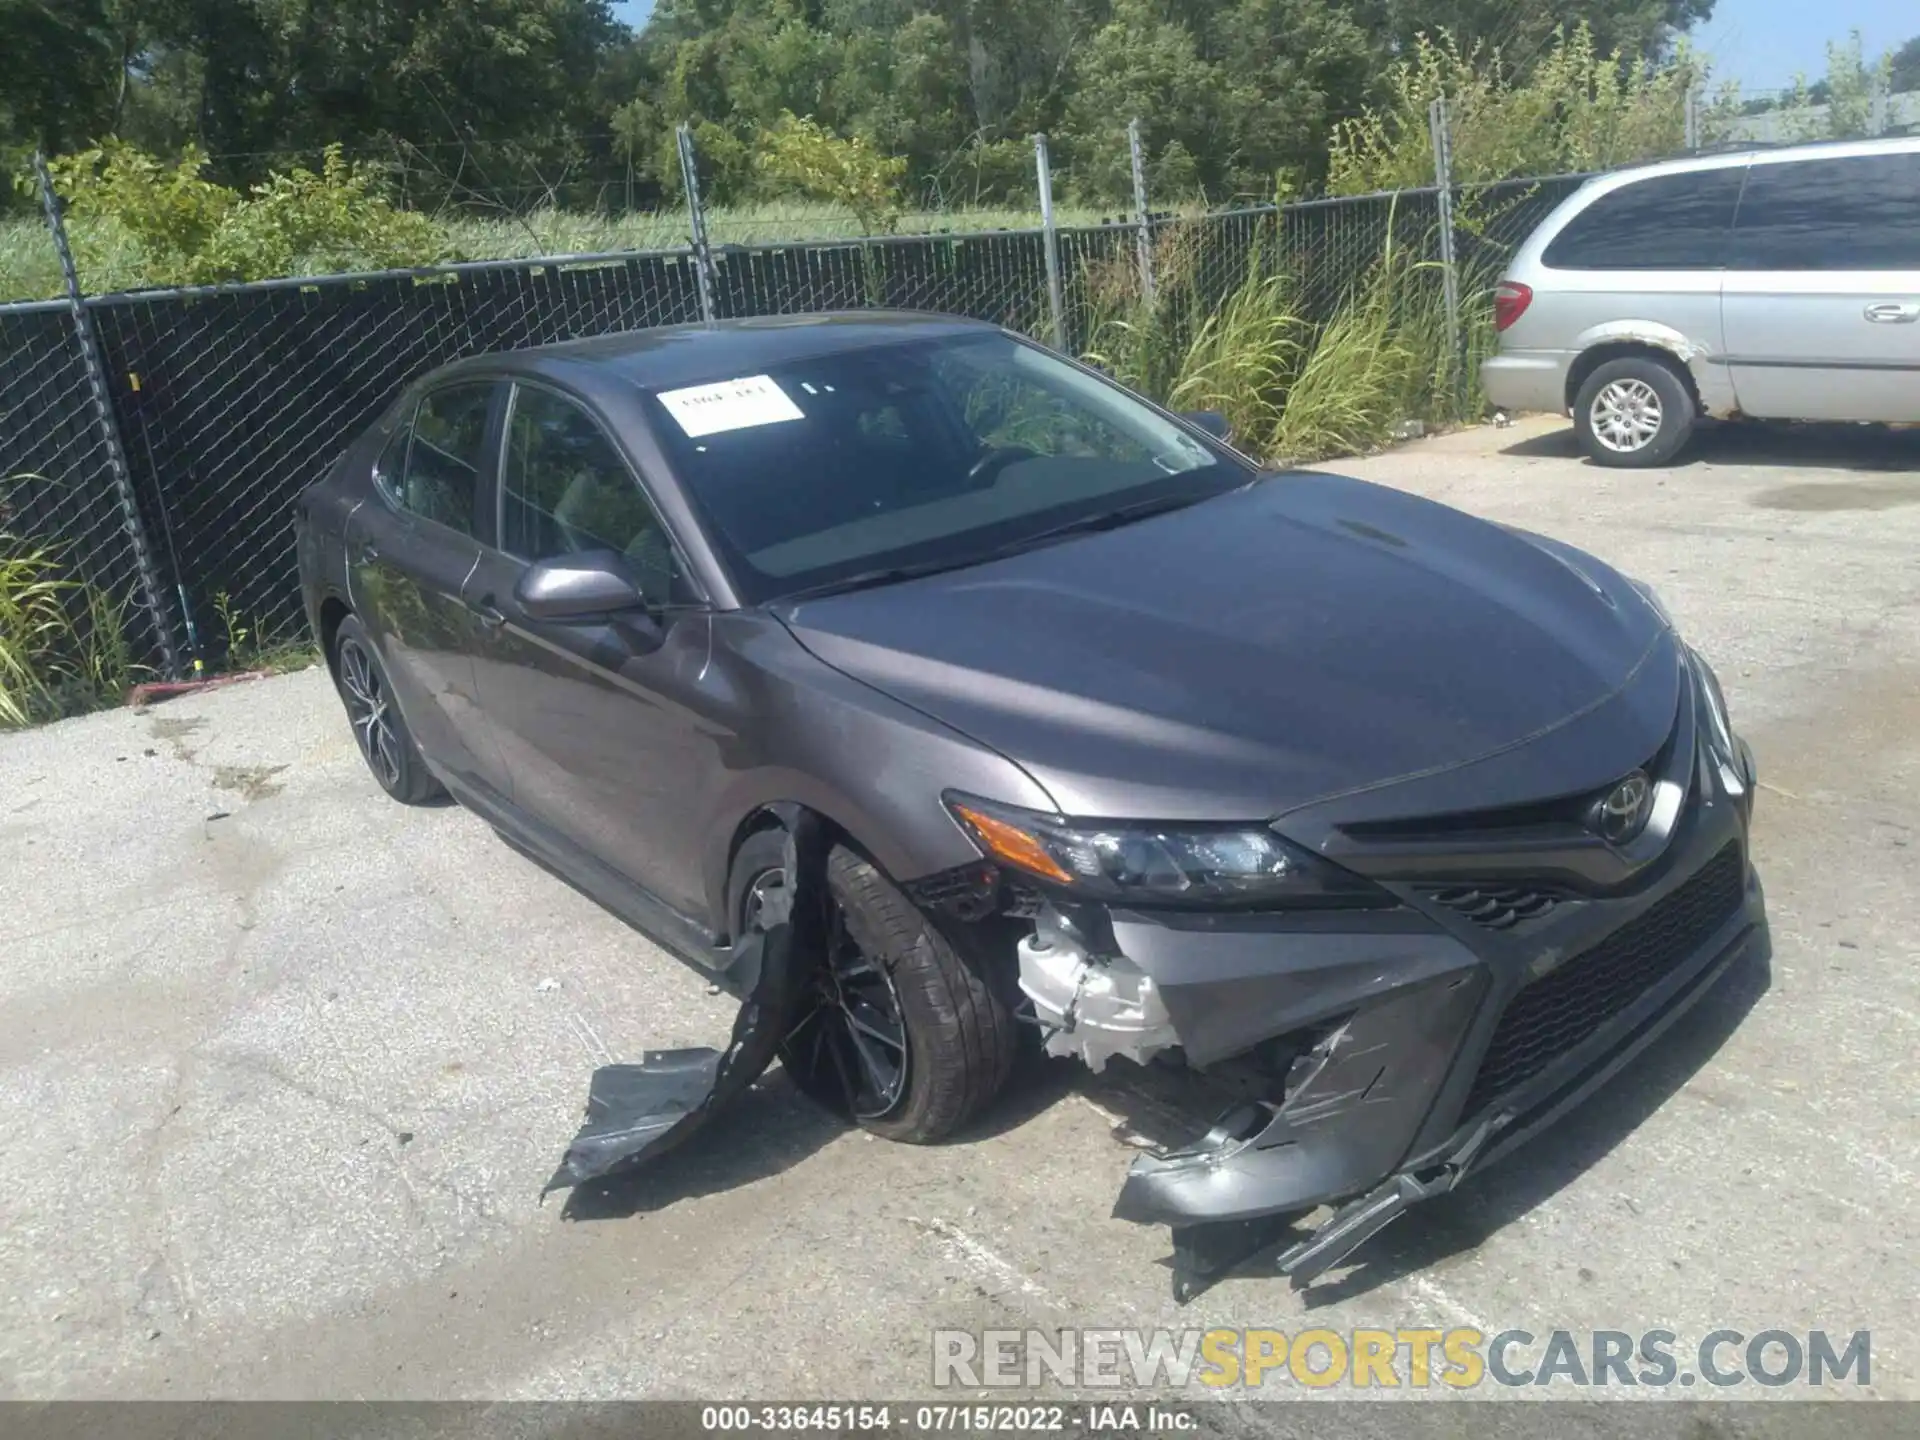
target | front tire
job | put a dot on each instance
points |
(379, 730)
(899, 1030)
(1633, 413)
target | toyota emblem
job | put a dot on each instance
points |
(1622, 813)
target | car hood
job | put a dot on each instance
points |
(1302, 637)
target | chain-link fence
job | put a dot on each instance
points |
(228, 401)
(60, 510)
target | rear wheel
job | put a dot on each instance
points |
(1633, 412)
(897, 1030)
(378, 728)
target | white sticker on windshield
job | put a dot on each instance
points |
(730, 405)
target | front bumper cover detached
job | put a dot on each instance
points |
(1393, 1076)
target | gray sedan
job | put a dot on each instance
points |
(932, 691)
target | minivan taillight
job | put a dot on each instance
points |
(1510, 301)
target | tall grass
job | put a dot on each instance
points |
(33, 622)
(1292, 387)
(63, 641)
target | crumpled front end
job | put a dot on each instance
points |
(1386, 1052)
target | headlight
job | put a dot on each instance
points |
(1143, 863)
(1648, 594)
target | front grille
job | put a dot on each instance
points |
(1558, 1011)
(1497, 907)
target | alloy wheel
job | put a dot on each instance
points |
(367, 709)
(1626, 416)
(849, 1034)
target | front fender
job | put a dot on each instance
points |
(870, 765)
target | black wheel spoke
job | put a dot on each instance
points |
(847, 1086)
(861, 1026)
(880, 1071)
(366, 705)
(848, 1043)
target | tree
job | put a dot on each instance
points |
(60, 82)
(1903, 67)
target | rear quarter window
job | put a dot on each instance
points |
(1857, 213)
(1666, 222)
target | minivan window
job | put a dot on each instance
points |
(1666, 222)
(1858, 213)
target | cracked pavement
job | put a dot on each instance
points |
(283, 1065)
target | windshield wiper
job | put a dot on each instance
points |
(1085, 525)
(869, 579)
(1101, 520)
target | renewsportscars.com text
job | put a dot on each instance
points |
(1363, 1359)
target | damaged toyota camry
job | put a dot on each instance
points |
(930, 690)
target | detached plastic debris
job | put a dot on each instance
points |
(631, 1108)
(636, 1113)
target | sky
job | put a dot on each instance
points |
(1760, 43)
(633, 12)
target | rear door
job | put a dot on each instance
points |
(608, 730)
(1822, 296)
(1643, 261)
(410, 550)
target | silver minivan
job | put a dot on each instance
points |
(1774, 284)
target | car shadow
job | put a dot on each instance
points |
(1869, 448)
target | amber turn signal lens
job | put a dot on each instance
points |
(1013, 845)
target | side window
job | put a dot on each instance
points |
(564, 488)
(441, 476)
(1668, 222)
(1861, 213)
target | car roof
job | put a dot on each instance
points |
(1744, 153)
(691, 354)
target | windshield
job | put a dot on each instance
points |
(922, 455)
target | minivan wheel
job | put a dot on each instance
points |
(378, 728)
(897, 1029)
(1633, 412)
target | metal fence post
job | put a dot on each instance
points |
(1443, 178)
(1140, 210)
(1692, 122)
(696, 220)
(147, 574)
(1056, 297)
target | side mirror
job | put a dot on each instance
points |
(1211, 421)
(587, 586)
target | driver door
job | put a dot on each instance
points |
(603, 726)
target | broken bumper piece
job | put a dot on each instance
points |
(636, 1113)
(1377, 1107)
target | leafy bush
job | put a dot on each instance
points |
(1577, 110)
(1841, 106)
(796, 156)
(172, 226)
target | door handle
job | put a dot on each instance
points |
(488, 615)
(1893, 312)
(365, 552)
